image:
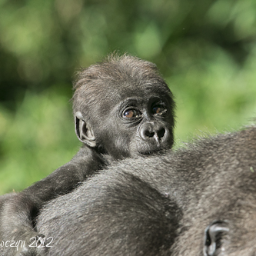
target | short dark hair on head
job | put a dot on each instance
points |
(113, 70)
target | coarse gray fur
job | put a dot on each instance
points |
(199, 200)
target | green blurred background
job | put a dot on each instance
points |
(206, 51)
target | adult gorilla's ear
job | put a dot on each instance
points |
(213, 238)
(84, 131)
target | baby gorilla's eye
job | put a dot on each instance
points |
(159, 110)
(131, 113)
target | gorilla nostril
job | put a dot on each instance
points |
(161, 133)
(149, 134)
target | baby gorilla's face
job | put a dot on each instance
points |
(141, 123)
(124, 108)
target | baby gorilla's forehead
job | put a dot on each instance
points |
(116, 91)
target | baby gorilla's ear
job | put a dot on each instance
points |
(214, 237)
(84, 131)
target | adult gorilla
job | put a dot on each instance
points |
(200, 200)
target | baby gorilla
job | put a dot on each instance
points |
(122, 108)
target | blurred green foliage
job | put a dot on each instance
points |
(206, 50)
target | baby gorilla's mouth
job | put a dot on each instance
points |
(151, 151)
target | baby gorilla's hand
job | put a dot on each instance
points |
(36, 248)
(33, 246)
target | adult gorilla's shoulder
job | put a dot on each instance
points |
(197, 200)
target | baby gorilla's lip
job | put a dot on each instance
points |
(152, 151)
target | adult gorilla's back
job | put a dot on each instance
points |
(113, 213)
(201, 199)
